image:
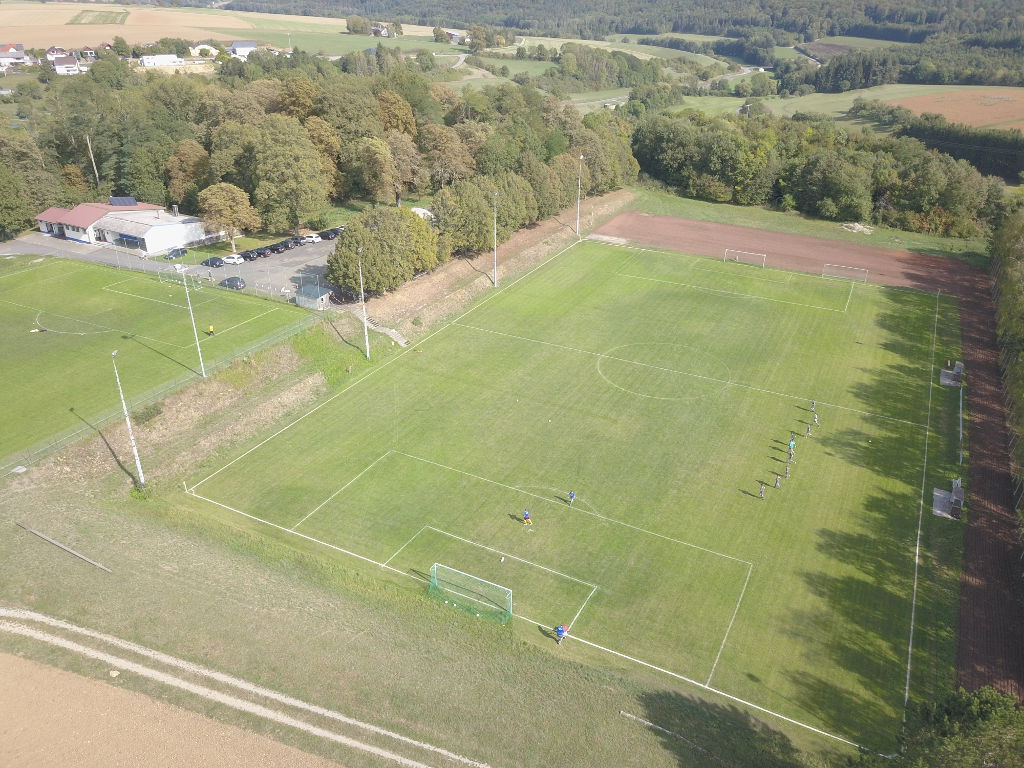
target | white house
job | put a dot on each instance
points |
(13, 53)
(55, 52)
(241, 49)
(142, 227)
(162, 60)
(68, 65)
(379, 30)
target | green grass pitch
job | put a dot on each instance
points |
(99, 17)
(61, 379)
(662, 389)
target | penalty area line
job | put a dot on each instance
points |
(320, 506)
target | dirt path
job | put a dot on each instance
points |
(990, 647)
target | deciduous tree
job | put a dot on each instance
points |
(226, 207)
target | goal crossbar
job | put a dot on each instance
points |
(469, 593)
(846, 273)
(745, 257)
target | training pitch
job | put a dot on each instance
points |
(60, 320)
(663, 390)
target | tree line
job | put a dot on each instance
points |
(820, 169)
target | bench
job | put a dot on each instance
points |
(957, 499)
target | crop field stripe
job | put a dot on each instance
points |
(576, 508)
(736, 294)
(685, 373)
(320, 506)
(399, 356)
(735, 612)
(920, 511)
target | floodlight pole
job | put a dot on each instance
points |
(192, 317)
(495, 280)
(579, 195)
(362, 299)
(127, 420)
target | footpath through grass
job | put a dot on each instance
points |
(663, 390)
(60, 320)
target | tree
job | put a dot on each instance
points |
(15, 213)
(446, 154)
(357, 25)
(393, 244)
(409, 168)
(120, 46)
(290, 184)
(396, 114)
(328, 146)
(226, 207)
(300, 97)
(395, 29)
(187, 168)
(439, 35)
(374, 174)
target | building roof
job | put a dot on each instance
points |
(12, 48)
(85, 215)
(314, 291)
(243, 44)
(138, 223)
(65, 61)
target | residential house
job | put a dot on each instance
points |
(88, 54)
(68, 65)
(455, 37)
(55, 52)
(162, 60)
(379, 30)
(241, 49)
(141, 227)
(12, 54)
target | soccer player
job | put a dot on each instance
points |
(787, 470)
(210, 331)
(808, 432)
(561, 631)
(792, 444)
(761, 492)
(812, 406)
(572, 497)
(778, 480)
(526, 517)
(815, 419)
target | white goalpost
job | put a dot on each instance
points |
(746, 257)
(858, 274)
(179, 278)
(470, 594)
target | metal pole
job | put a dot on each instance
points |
(127, 420)
(579, 195)
(188, 300)
(495, 280)
(362, 299)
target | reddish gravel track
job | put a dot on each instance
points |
(990, 647)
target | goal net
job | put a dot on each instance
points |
(847, 273)
(179, 278)
(746, 257)
(470, 594)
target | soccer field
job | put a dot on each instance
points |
(663, 390)
(60, 320)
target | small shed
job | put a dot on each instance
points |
(313, 296)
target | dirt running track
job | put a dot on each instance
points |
(991, 632)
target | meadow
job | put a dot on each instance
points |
(61, 320)
(662, 389)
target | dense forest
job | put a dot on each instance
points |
(810, 19)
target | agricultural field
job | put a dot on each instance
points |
(76, 24)
(61, 320)
(825, 48)
(662, 389)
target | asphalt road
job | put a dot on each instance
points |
(279, 273)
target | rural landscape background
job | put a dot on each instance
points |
(628, 250)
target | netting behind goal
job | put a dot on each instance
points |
(746, 257)
(470, 594)
(847, 273)
(179, 278)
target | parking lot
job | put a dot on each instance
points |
(279, 274)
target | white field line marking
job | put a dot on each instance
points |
(737, 294)
(410, 541)
(848, 297)
(221, 677)
(684, 373)
(21, 271)
(302, 535)
(513, 557)
(728, 629)
(144, 298)
(319, 506)
(236, 325)
(207, 693)
(569, 625)
(673, 734)
(920, 510)
(708, 688)
(746, 276)
(576, 508)
(399, 356)
(539, 624)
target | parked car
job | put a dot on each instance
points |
(311, 238)
(263, 252)
(249, 255)
(234, 282)
(328, 234)
(289, 243)
(296, 241)
(213, 261)
(233, 258)
(175, 253)
(278, 248)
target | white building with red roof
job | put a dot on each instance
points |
(141, 227)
